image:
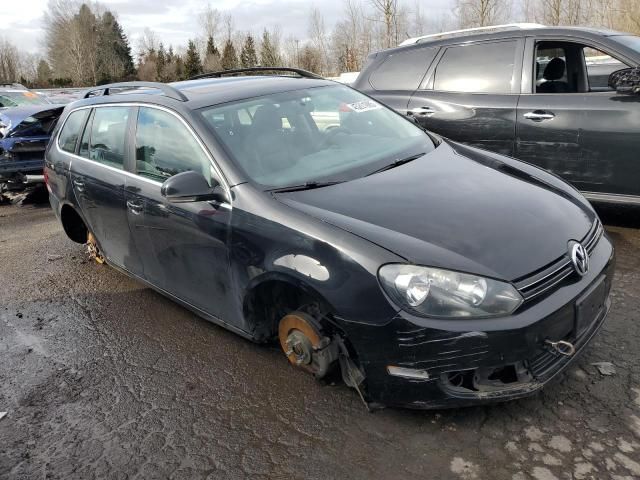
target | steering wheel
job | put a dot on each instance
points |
(331, 134)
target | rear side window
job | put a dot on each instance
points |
(106, 136)
(71, 130)
(403, 70)
(483, 68)
(165, 147)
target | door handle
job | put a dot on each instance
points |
(79, 184)
(134, 207)
(421, 111)
(539, 116)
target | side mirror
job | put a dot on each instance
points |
(192, 187)
(626, 81)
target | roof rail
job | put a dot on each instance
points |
(13, 84)
(221, 73)
(167, 90)
(471, 31)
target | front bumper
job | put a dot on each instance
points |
(471, 362)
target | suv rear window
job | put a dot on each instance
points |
(482, 68)
(71, 130)
(403, 70)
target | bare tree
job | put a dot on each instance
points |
(387, 10)
(482, 13)
(148, 43)
(210, 21)
(9, 61)
(319, 39)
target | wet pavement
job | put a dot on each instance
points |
(104, 378)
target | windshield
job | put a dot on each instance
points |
(21, 97)
(320, 134)
(630, 41)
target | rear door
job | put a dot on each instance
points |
(393, 79)
(471, 93)
(98, 177)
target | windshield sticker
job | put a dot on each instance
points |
(359, 107)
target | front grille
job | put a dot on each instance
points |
(551, 275)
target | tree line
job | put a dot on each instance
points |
(86, 45)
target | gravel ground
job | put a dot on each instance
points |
(104, 378)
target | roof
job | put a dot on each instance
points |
(203, 92)
(473, 35)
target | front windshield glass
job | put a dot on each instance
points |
(21, 97)
(630, 41)
(320, 134)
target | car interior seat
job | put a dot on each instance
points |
(272, 150)
(553, 72)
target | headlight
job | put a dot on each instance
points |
(434, 292)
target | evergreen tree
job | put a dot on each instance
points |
(161, 63)
(229, 56)
(211, 47)
(114, 53)
(269, 56)
(248, 56)
(192, 63)
(43, 74)
(179, 65)
(212, 58)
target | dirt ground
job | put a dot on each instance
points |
(104, 378)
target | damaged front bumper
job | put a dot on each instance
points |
(429, 363)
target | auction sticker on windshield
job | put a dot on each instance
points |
(359, 107)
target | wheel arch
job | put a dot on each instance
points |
(73, 223)
(272, 295)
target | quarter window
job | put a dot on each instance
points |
(165, 147)
(106, 136)
(483, 68)
(403, 70)
(71, 130)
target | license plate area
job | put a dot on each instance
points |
(590, 305)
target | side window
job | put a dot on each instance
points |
(71, 130)
(599, 66)
(551, 69)
(483, 68)
(403, 70)
(107, 135)
(165, 147)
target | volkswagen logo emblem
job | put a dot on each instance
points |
(579, 258)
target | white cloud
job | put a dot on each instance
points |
(175, 21)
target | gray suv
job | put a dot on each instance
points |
(539, 94)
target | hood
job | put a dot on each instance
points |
(11, 118)
(458, 208)
(18, 114)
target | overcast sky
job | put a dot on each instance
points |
(175, 21)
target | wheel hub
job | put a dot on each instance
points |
(304, 345)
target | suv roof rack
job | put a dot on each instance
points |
(167, 90)
(221, 73)
(471, 31)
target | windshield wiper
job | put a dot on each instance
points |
(397, 163)
(303, 186)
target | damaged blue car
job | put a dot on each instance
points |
(24, 135)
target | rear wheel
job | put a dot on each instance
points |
(94, 251)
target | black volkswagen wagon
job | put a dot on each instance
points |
(540, 94)
(428, 273)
